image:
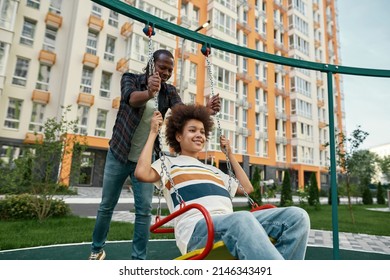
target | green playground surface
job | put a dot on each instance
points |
(158, 250)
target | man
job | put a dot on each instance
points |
(130, 133)
(247, 235)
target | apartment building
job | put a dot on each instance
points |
(72, 53)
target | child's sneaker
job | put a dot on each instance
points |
(97, 256)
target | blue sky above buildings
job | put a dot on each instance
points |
(365, 42)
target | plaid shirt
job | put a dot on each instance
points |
(128, 117)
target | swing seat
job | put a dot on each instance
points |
(212, 251)
(218, 252)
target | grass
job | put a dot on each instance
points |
(72, 229)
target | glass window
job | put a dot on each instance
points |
(43, 77)
(82, 118)
(12, 117)
(3, 57)
(20, 74)
(7, 14)
(101, 123)
(55, 6)
(92, 42)
(96, 10)
(37, 116)
(28, 32)
(110, 49)
(33, 4)
(105, 85)
(86, 80)
(113, 19)
(49, 41)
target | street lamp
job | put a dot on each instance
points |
(204, 25)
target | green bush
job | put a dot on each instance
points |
(380, 194)
(15, 207)
(313, 197)
(286, 195)
(367, 196)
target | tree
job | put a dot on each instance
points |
(362, 166)
(314, 196)
(38, 169)
(380, 194)
(384, 164)
(256, 183)
(345, 149)
(286, 195)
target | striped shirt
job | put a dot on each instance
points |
(128, 118)
(195, 182)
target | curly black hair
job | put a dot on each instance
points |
(180, 115)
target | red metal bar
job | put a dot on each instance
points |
(184, 208)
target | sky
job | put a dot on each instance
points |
(364, 29)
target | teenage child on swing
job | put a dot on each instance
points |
(246, 234)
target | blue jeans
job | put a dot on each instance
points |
(115, 174)
(247, 234)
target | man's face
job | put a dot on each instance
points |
(164, 66)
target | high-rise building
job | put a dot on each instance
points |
(56, 53)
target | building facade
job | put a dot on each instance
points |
(58, 53)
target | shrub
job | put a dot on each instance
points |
(367, 196)
(256, 194)
(286, 195)
(314, 197)
(22, 206)
(380, 194)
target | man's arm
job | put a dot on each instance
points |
(143, 171)
(238, 171)
(138, 98)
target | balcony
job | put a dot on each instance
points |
(122, 65)
(185, 55)
(90, 60)
(315, 7)
(95, 23)
(86, 99)
(47, 57)
(320, 103)
(116, 102)
(32, 138)
(126, 29)
(244, 27)
(322, 124)
(244, 131)
(244, 77)
(53, 20)
(42, 97)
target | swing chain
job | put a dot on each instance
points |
(228, 164)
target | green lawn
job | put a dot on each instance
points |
(31, 233)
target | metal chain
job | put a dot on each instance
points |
(219, 133)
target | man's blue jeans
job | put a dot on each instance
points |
(115, 174)
(247, 234)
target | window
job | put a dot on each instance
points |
(37, 115)
(110, 49)
(7, 14)
(28, 31)
(3, 57)
(55, 6)
(193, 71)
(225, 78)
(101, 123)
(92, 42)
(96, 10)
(50, 39)
(113, 19)
(82, 118)
(33, 4)
(86, 80)
(105, 85)
(12, 117)
(43, 77)
(20, 74)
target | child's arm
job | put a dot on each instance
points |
(239, 172)
(143, 171)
